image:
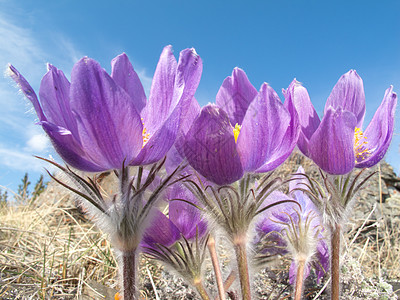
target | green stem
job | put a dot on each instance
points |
(241, 257)
(335, 262)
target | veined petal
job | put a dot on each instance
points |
(308, 117)
(160, 142)
(322, 264)
(54, 97)
(289, 141)
(163, 133)
(187, 217)
(161, 231)
(263, 129)
(380, 130)
(332, 146)
(27, 90)
(176, 154)
(187, 79)
(235, 95)
(348, 93)
(186, 123)
(69, 148)
(109, 126)
(298, 181)
(158, 107)
(210, 147)
(125, 76)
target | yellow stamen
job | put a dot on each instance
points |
(360, 145)
(146, 136)
(236, 131)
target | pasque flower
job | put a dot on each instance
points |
(98, 121)
(184, 220)
(246, 131)
(180, 239)
(296, 229)
(337, 143)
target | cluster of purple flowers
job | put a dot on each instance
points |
(216, 157)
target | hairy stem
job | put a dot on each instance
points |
(228, 282)
(335, 262)
(299, 280)
(128, 265)
(241, 257)
(217, 270)
(201, 290)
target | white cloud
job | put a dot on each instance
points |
(19, 160)
(38, 143)
(21, 138)
(72, 52)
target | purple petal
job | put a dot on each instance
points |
(298, 181)
(109, 126)
(263, 130)
(159, 105)
(289, 141)
(331, 146)
(322, 265)
(188, 74)
(160, 143)
(186, 81)
(211, 149)
(70, 149)
(191, 115)
(176, 154)
(125, 76)
(380, 130)
(235, 95)
(161, 231)
(348, 93)
(27, 90)
(54, 97)
(308, 117)
(276, 213)
(186, 217)
(174, 159)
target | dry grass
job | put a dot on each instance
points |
(47, 252)
(376, 245)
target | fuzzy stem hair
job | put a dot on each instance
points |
(299, 280)
(241, 257)
(217, 270)
(335, 262)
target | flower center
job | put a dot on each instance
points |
(145, 134)
(236, 131)
(360, 145)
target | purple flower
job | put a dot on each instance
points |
(185, 219)
(294, 229)
(247, 131)
(337, 143)
(98, 121)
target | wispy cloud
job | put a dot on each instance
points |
(20, 137)
(20, 160)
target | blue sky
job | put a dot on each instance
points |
(273, 41)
